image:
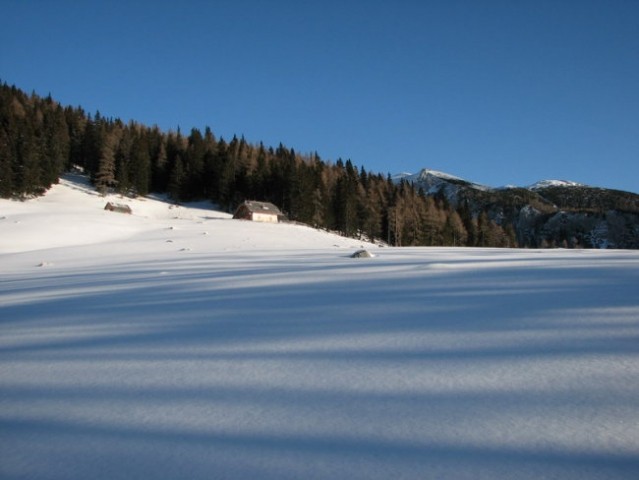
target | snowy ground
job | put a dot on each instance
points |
(177, 343)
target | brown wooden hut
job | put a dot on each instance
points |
(118, 207)
(258, 212)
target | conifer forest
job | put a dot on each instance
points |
(41, 139)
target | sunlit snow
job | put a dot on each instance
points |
(554, 183)
(177, 343)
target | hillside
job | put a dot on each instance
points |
(40, 140)
(178, 343)
(550, 213)
(72, 214)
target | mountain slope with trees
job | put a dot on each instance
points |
(40, 139)
(547, 214)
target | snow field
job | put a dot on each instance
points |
(147, 348)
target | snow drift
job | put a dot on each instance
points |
(178, 343)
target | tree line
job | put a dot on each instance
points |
(41, 139)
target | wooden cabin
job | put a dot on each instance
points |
(258, 212)
(118, 207)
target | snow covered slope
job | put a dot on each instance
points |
(549, 212)
(554, 183)
(178, 343)
(434, 179)
(72, 214)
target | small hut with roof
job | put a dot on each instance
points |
(259, 212)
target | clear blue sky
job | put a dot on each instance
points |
(498, 92)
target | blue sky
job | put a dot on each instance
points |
(498, 92)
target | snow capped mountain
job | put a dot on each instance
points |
(396, 177)
(434, 179)
(554, 183)
(427, 173)
(435, 182)
(549, 212)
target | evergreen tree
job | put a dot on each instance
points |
(56, 143)
(225, 175)
(175, 176)
(27, 168)
(76, 122)
(176, 179)
(7, 146)
(396, 220)
(105, 175)
(259, 177)
(90, 147)
(454, 231)
(470, 225)
(140, 163)
(6, 174)
(194, 165)
(123, 163)
(159, 163)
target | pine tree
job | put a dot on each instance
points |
(6, 173)
(431, 223)
(396, 218)
(470, 225)
(345, 200)
(123, 162)
(90, 147)
(176, 179)
(28, 169)
(225, 174)
(140, 164)
(7, 145)
(159, 163)
(56, 143)
(454, 231)
(105, 176)
(194, 165)
(76, 122)
(259, 177)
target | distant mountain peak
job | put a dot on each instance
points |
(431, 180)
(554, 183)
(435, 178)
(426, 172)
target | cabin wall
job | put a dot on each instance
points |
(264, 217)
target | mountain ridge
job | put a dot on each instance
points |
(547, 213)
(426, 173)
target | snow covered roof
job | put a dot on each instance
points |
(261, 207)
(118, 207)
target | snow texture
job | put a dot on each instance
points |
(554, 183)
(178, 343)
(435, 178)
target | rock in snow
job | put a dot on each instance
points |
(362, 254)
